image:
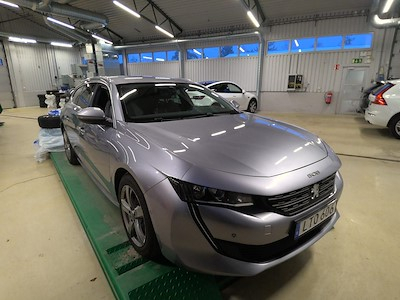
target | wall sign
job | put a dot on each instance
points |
(357, 60)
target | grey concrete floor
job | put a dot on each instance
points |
(46, 254)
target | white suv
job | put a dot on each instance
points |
(384, 107)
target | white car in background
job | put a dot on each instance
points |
(384, 107)
(231, 91)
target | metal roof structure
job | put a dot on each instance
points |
(183, 19)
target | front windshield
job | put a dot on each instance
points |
(154, 102)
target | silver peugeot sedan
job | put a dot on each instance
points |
(209, 187)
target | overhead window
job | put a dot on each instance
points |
(357, 41)
(120, 59)
(212, 52)
(229, 51)
(195, 53)
(326, 43)
(146, 57)
(248, 50)
(160, 56)
(133, 58)
(278, 47)
(303, 45)
(173, 55)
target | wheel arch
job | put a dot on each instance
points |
(395, 116)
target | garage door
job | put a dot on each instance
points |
(394, 70)
(6, 95)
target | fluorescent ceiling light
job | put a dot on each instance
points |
(160, 59)
(241, 49)
(60, 23)
(164, 31)
(61, 44)
(9, 4)
(387, 6)
(127, 9)
(253, 19)
(21, 40)
(296, 42)
(147, 57)
(196, 51)
(102, 39)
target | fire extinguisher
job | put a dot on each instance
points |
(328, 97)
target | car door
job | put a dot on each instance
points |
(231, 91)
(97, 142)
(80, 99)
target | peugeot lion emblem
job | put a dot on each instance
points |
(315, 191)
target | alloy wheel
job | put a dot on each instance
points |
(132, 214)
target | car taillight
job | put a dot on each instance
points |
(379, 100)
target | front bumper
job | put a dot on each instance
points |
(222, 241)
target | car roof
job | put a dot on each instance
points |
(394, 81)
(212, 82)
(139, 79)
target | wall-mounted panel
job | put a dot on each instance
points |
(165, 69)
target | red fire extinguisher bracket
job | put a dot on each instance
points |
(328, 97)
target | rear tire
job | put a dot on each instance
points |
(394, 127)
(136, 218)
(252, 107)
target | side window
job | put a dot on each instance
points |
(234, 88)
(102, 100)
(220, 88)
(82, 96)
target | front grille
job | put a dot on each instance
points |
(294, 202)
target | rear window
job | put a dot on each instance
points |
(384, 87)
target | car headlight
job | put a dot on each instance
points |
(194, 193)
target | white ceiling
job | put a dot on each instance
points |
(195, 18)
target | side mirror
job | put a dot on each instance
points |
(235, 104)
(93, 115)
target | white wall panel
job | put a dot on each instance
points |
(241, 70)
(33, 69)
(166, 69)
(6, 96)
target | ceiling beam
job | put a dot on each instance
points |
(155, 15)
(255, 7)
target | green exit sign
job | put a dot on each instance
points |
(357, 60)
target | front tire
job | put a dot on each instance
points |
(136, 218)
(69, 151)
(252, 107)
(394, 127)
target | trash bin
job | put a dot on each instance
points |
(41, 100)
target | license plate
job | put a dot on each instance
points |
(314, 220)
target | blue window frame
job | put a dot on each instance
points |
(120, 59)
(133, 58)
(278, 47)
(146, 57)
(160, 56)
(229, 51)
(303, 45)
(248, 50)
(173, 55)
(326, 43)
(196, 53)
(212, 52)
(356, 41)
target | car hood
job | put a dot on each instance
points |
(243, 144)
